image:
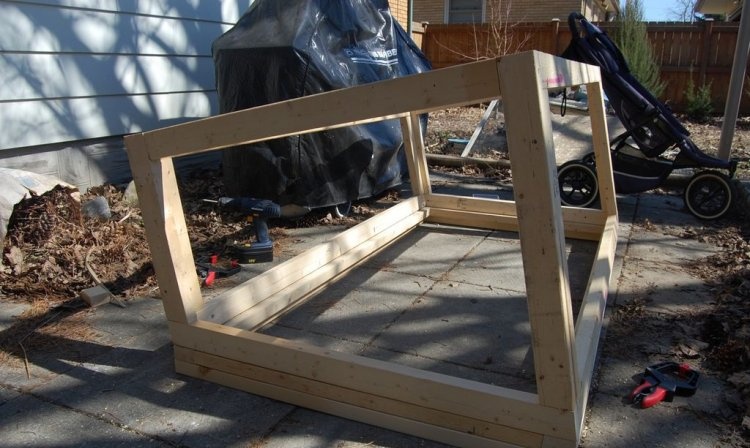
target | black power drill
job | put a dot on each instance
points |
(260, 251)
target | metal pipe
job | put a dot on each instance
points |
(734, 96)
(410, 16)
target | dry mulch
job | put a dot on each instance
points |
(52, 252)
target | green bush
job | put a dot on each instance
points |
(699, 106)
(632, 39)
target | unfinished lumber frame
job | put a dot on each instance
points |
(217, 340)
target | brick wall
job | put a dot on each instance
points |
(400, 11)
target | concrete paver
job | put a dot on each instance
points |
(427, 302)
(493, 264)
(9, 312)
(374, 299)
(7, 394)
(662, 248)
(140, 326)
(140, 391)
(627, 426)
(428, 251)
(465, 324)
(667, 286)
(304, 428)
(28, 421)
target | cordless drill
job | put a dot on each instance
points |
(259, 210)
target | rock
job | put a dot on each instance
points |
(131, 195)
(16, 259)
(687, 351)
(740, 380)
(97, 208)
(96, 295)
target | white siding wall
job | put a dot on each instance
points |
(81, 69)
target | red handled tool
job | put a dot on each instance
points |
(661, 382)
(210, 269)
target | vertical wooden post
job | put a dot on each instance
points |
(166, 231)
(542, 236)
(600, 140)
(555, 37)
(734, 94)
(415, 156)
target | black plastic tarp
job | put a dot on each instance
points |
(280, 50)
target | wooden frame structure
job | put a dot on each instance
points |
(215, 340)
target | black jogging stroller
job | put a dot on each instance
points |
(654, 143)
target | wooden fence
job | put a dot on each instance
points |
(703, 51)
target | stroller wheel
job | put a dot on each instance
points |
(578, 184)
(708, 195)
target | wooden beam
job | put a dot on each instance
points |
(582, 231)
(556, 73)
(208, 366)
(591, 314)
(465, 84)
(498, 214)
(254, 291)
(541, 232)
(556, 442)
(483, 402)
(480, 126)
(420, 156)
(419, 180)
(600, 143)
(362, 414)
(326, 274)
(471, 204)
(166, 231)
(473, 220)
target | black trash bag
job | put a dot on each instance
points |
(280, 50)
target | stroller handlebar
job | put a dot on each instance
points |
(572, 19)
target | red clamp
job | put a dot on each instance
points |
(661, 382)
(212, 268)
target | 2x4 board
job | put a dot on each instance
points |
(448, 409)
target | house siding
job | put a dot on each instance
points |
(433, 11)
(430, 11)
(81, 69)
(76, 75)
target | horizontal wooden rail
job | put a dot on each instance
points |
(701, 52)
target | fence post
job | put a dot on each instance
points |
(555, 36)
(707, 31)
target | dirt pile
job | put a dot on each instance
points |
(53, 251)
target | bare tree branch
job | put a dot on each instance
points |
(683, 10)
(496, 37)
